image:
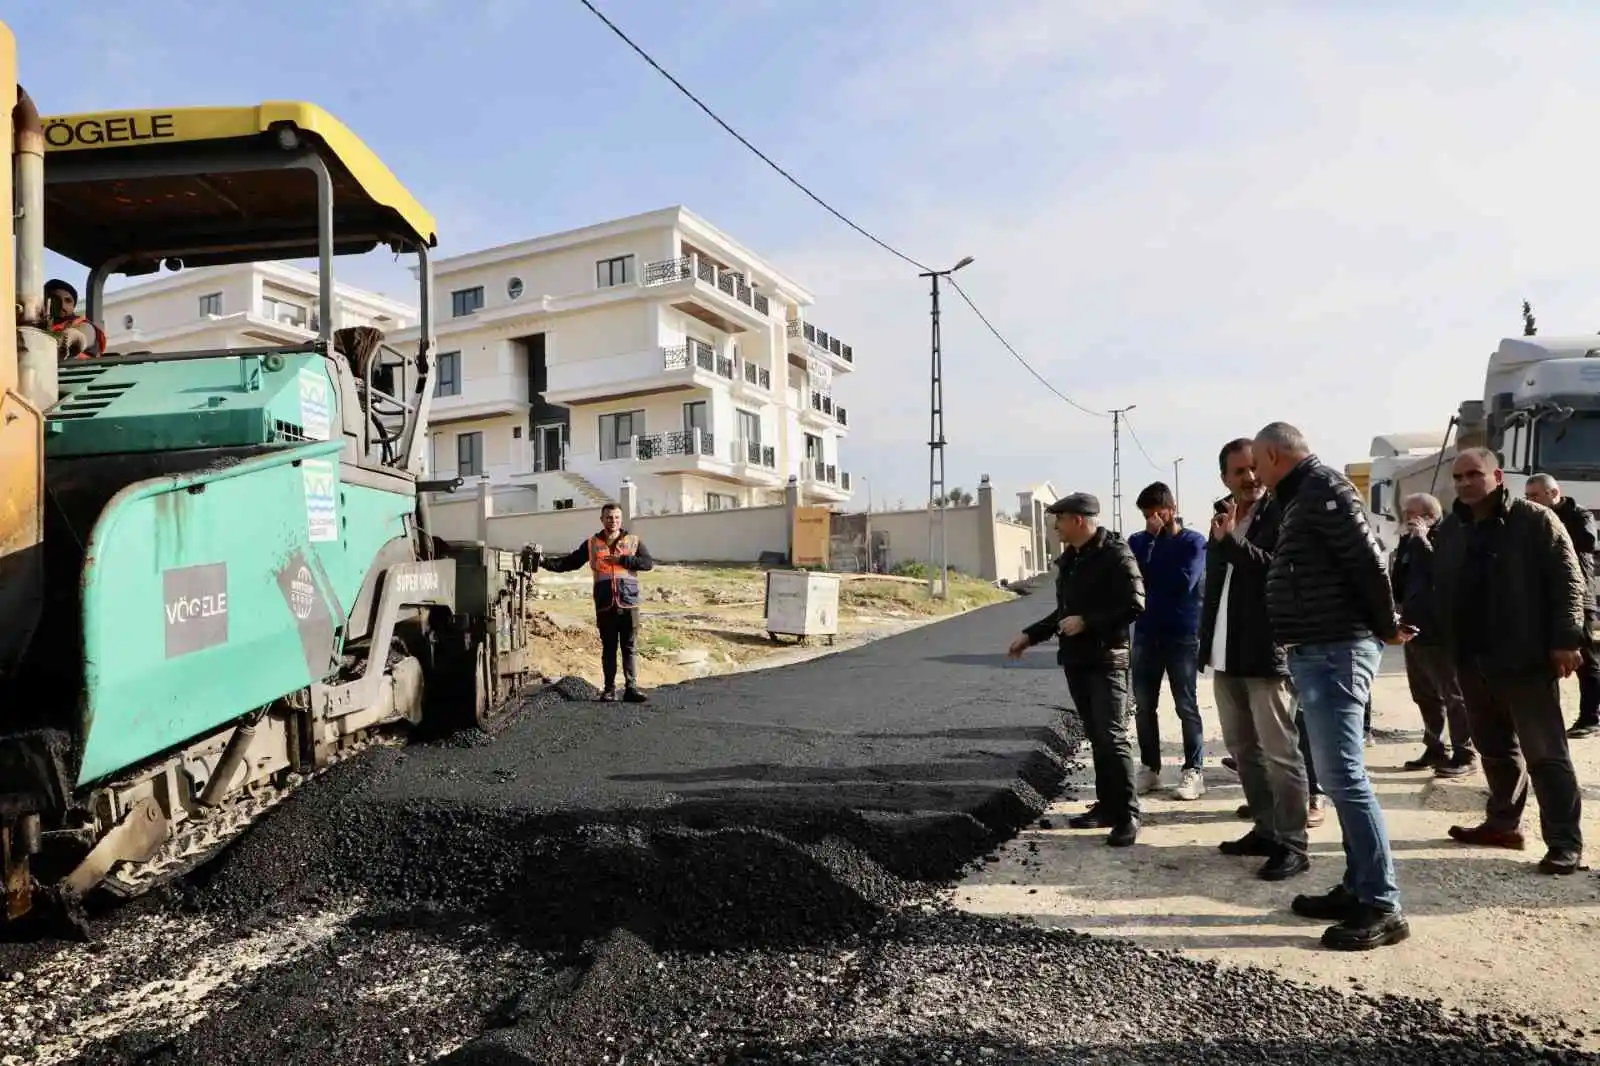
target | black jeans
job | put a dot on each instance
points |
(619, 626)
(1431, 673)
(1100, 696)
(1589, 681)
(1517, 724)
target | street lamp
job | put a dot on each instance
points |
(1177, 500)
(936, 503)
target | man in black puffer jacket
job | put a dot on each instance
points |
(1330, 605)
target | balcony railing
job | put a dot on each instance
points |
(725, 367)
(822, 402)
(693, 353)
(674, 442)
(758, 376)
(840, 414)
(844, 480)
(817, 338)
(754, 453)
(817, 470)
(692, 267)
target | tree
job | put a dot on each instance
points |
(1530, 327)
(956, 497)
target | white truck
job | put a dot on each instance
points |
(1541, 412)
(1389, 455)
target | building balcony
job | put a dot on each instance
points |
(809, 342)
(756, 462)
(824, 480)
(715, 295)
(753, 380)
(476, 403)
(693, 364)
(821, 411)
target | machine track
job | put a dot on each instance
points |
(200, 838)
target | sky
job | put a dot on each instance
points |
(1326, 213)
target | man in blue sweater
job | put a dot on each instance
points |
(1166, 640)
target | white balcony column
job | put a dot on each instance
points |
(695, 441)
(633, 447)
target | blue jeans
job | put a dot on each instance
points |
(1335, 682)
(1178, 658)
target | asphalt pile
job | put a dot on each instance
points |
(719, 878)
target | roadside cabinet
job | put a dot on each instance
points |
(801, 603)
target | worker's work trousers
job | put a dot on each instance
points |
(1431, 672)
(1521, 736)
(619, 627)
(1589, 679)
(1100, 696)
(1258, 728)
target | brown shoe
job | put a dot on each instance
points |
(1484, 836)
(1317, 812)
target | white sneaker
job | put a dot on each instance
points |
(1149, 780)
(1191, 786)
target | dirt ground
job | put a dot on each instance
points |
(1489, 933)
(704, 620)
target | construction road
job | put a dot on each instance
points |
(736, 873)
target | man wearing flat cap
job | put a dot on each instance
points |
(1099, 593)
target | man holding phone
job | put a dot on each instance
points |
(1430, 669)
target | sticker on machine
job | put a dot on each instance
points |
(195, 607)
(322, 500)
(316, 419)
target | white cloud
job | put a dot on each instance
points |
(1328, 218)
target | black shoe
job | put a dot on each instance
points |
(607, 696)
(1561, 861)
(1366, 928)
(1333, 906)
(633, 695)
(1583, 728)
(1457, 766)
(1252, 843)
(1284, 865)
(1089, 819)
(1244, 812)
(1429, 760)
(1230, 763)
(1124, 835)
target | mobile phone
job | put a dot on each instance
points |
(1413, 630)
(1220, 506)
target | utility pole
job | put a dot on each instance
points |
(938, 548)
(1177, 499)
(1116, 465)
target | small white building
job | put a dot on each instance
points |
(248, 305)
(655, 348)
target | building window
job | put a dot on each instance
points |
(469, 454)
(813, 447)
(617, 432)
(516, 432)
(749, 427)
(696, 415)
(448, 382)
(514, 289)
(719, 501)
(464, 302)
(564, 505)
(284, 311)
(127, 321)
(211, 304)
(612, 272)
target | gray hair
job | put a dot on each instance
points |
(1284, 437)
(1429, 503)
(1544, 481)
(1490, 459)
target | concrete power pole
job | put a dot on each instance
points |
(1116, 465)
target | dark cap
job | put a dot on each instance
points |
(1079, 503)
(55, 284)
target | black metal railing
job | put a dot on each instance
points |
(754, 453)
(842, 416)
(821, 339)
(667, 271)
(844, 480)
(675, 358)
(705, 356)
(730, 283)
(822, 402)
(674, 442)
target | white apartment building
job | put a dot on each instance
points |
(249, 305)
(654, 348)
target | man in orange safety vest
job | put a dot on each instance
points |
(615, 557)
(80, 338)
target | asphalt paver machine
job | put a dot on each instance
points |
(216, 573)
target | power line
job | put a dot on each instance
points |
(1155, 465)
(1018, 355)
(792, 180)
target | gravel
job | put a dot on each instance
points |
(708, 880)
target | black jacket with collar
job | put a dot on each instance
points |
(1099, 582)
(1412, 580)
(1580, 526)
(1327, 580)
(1251, 651)
(1534, 589)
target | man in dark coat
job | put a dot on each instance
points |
(1510, 598)
(1580, 526)
(1099, 593)
(1250, 672)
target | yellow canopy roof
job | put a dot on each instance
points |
(208, 214)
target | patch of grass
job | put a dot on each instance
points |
(660, 641)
